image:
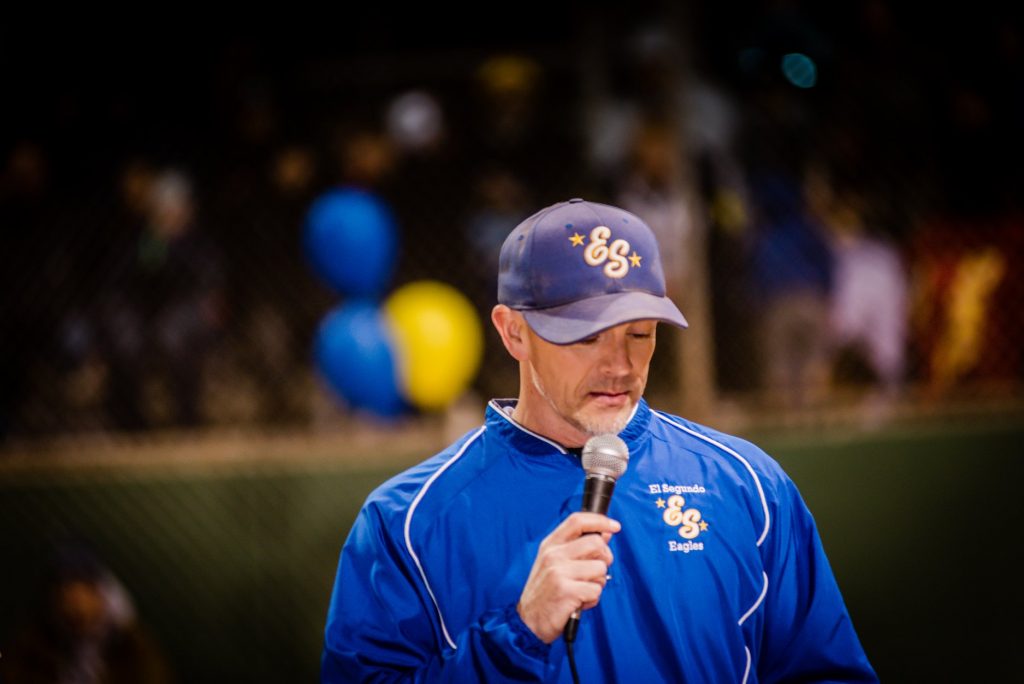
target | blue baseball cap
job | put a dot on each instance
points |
(576, 268)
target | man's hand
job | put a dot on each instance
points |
(569, 573)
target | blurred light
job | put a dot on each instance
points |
(509, 74)
(799, 70)
(415, 120)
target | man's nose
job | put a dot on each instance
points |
(615, 358)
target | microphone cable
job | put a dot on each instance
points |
(572, 661)
(604, 459)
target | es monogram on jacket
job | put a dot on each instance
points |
(686, 519)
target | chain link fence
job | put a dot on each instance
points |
(837, 220)
(836, 192)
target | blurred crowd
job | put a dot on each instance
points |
(84, 628)
(836, 193)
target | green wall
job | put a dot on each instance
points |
(231, 567)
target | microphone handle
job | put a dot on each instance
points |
(597, 495)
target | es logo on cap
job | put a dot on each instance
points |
(615, 256)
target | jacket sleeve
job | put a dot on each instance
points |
(383, 626)
(807, 632)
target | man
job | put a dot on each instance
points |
(467, 567)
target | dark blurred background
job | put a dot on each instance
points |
(836, 188)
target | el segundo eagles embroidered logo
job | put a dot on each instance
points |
(615, 256)
(687, 521)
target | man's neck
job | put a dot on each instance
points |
(535, 413)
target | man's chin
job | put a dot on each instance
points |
(606, 421)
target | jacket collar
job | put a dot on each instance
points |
(500, 422)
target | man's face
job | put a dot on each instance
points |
(589, 387)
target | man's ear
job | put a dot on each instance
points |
(512, 327)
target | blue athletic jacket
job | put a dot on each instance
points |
(719, 573)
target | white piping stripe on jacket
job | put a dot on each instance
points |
(760, 598)
(757, 480)
(746, 672)
(408, 524)
(501, 412)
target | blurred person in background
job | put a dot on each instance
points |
(181, 271)
(792, 276)
(501, 201)
(116, 331)
(965, 304)
(510, 107)
(653, 188)
(164, 306)
(85, 632)
(272, 278)
(870, 297)
(25, 223)
(270, 296)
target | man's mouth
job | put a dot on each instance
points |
(609, 399)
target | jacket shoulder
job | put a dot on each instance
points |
(678, 430)
(398, 493)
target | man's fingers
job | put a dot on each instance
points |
(590, 546)
(579, 524)
(589, 594)
(591, 571)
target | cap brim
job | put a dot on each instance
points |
(579, 320)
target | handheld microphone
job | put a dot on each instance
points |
(605, 458)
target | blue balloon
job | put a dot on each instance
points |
(350, 240)
(353, 353)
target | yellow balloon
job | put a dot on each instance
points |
(438, 339)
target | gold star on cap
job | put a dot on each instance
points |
(576, 240)
(635, 259)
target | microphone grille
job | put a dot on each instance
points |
(605, 455)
